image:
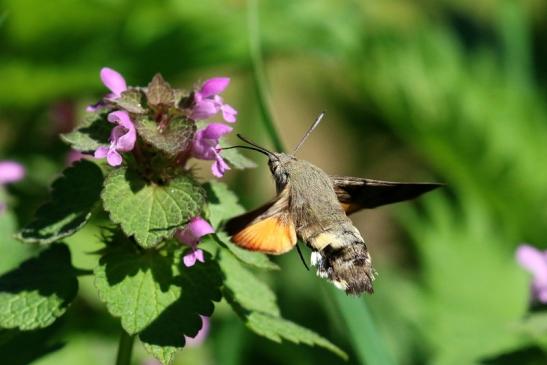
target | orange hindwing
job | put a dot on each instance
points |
(273, 235)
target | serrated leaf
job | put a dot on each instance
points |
(244, 288)
(39, 291)
(160, 92)
(223, 204)
(256, 304)
(156, 296)
(173, 139)
(235, 158)
(277, 329)
(73, 196)
(149, 211)
(93, 132)
(130, 100)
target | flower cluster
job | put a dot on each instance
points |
(10, 172)
(202, 104)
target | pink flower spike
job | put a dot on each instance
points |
(535, 262)
(122, 138)
(207, 102)
(213, 86)
(228, 113)
(11, 171)
(206, 140)
(194, 230)
(200, 337)
(219, 167)
(114, 81)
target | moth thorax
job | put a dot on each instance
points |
(349, 268)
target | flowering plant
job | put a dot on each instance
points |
(165, 260)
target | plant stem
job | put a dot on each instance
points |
(259, 78)
(125, 348)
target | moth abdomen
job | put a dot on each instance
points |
(344, 260)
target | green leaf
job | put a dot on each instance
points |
(149, 211)
(73, 196)
(223, 204)
(256, 304)
(244, 288)
(278, 329)
(173, 139)
(36, 344)
(39, 291)
(235, 158)
(160, 92)
(93, 132)
(130, 100)
(155, 296)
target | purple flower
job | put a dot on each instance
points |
(201, 335)
(191, 235)
(205, 146)
(207, 102)
(10, 171)
(115, 82)
(535, 262)
(122, 138)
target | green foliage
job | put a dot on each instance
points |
(173, 139)
(149, 211)
(256, 304)
(73, 197)
(93, 132)
(155, 296)
(235, 157)
(39, 291)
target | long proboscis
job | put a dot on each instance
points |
(308, 132)
(253, 146)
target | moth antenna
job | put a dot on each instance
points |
(308, 132)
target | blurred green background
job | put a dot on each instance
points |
(446, 90)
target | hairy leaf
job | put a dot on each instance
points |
(156, 296)
(73, 196)
(130, 100)
(160, 92)
(93, 132)
(278, 329)
(173, 139)
(39, 291)
(149, 211)
(256, 304)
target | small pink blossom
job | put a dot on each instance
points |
(11, 171)
(207, 102)
(115, 82)
(535, 262)
(122, 138)
(201, 335)
(190, 236)
(206, 146)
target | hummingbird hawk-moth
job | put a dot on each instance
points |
(312, 206)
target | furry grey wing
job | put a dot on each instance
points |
(357, 193)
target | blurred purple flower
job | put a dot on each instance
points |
(115, 82)
(122, 138)
(10, 171)
(190, 236)
(201, 335)
(205, 146)
(73, 156)
(207, 102)
(535, 262)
